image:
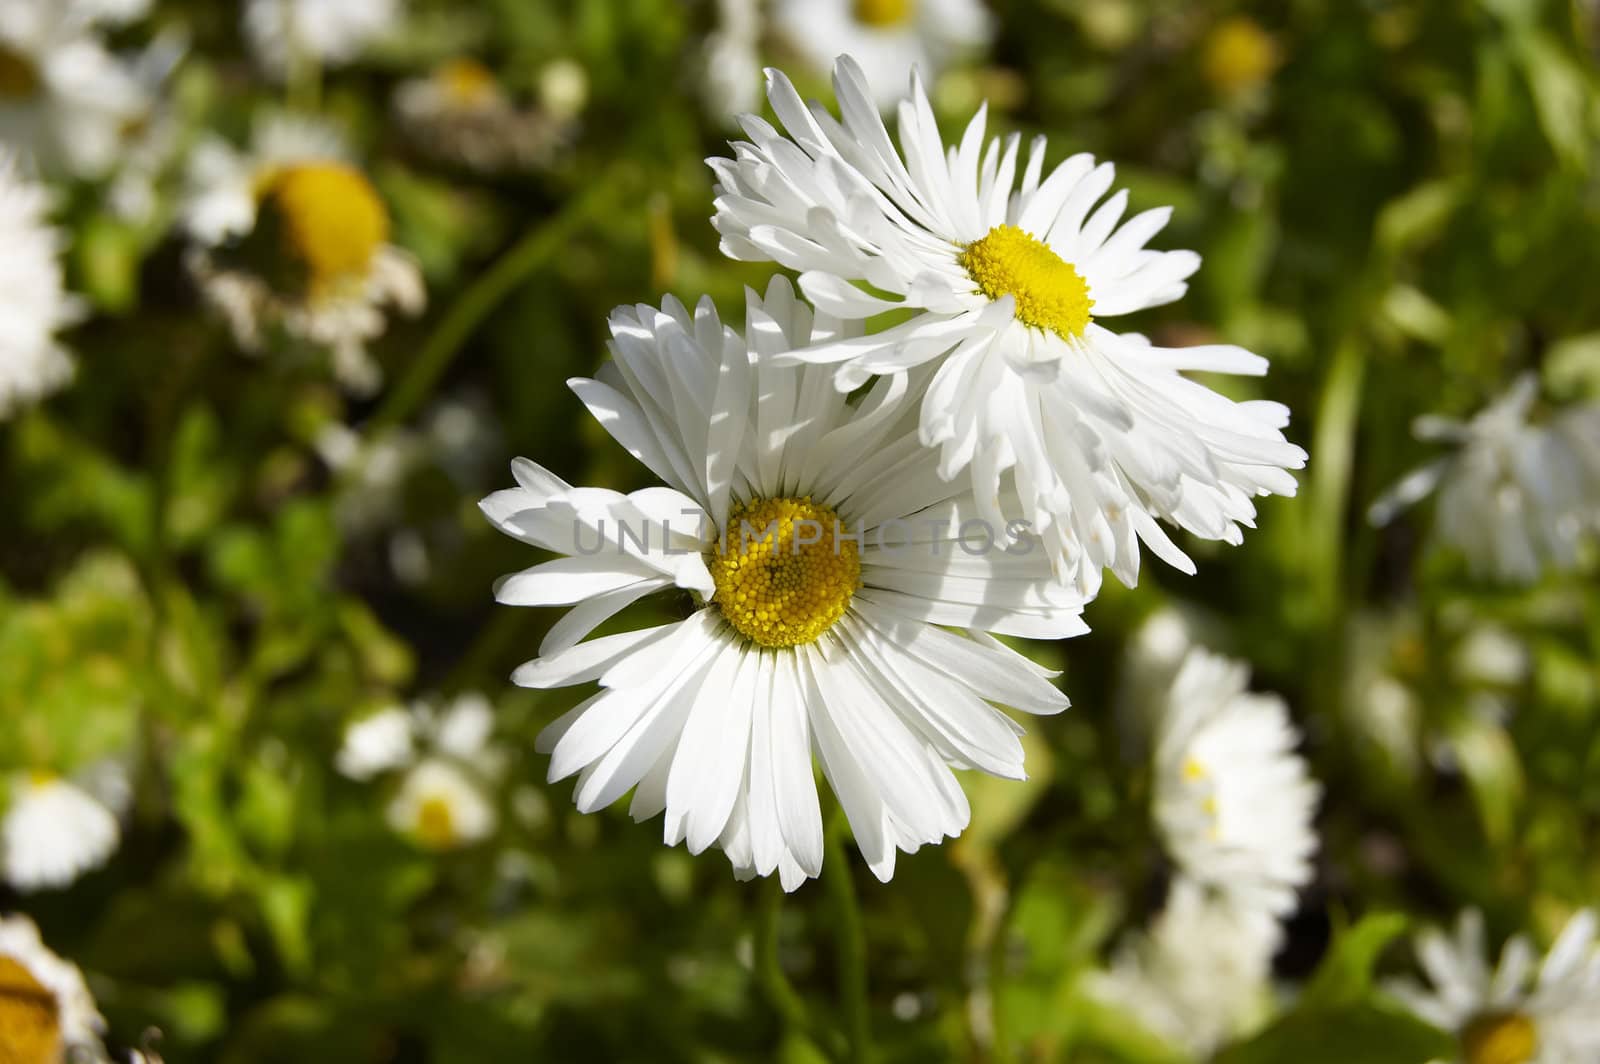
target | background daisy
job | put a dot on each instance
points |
(889, 38)
(292, 235)
(46, 1011)
(34, 304)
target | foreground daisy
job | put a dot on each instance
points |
(1007, 282)
(53, 832)
(325, 32)
(292, 235)
(442, 802)
(823, 554)
(1515, 498)
(889, 38)
(1199, 977)
(1511, 1014)
(1232, 799)
(46, 1012)
(65, 100)
(34, 304)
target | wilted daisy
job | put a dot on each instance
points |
(824, 556)
(47, 1014)
(1515, 498)
(1008, 282)
(442, 801)
(1199, 977)
(889, 38)
(65, 101)
(34, 304)
(53, 832)
(1232, 799)
(324, 32)
(1512, 1013)
(292, 234)
(462, 113)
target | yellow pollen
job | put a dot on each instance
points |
(41, 777)
(1238, 55)
(466, 82)
(1193, 770)
(19, 75)
(436, 824)
(333, 221)
(884, 13)
(30, 1019)
(1050, 294)
(784, 571)
(1499, 1038)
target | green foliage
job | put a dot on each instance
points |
(1402, 215)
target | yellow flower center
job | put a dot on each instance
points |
(331, 220)
(467, 83)
(19, 75)
(784, 570)
(436, 823)
(30, 1019)
(884, 13)
(1500, 1038)
(1050, 294)
(1238, 55)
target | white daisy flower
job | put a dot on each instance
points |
(889, 38)
(46, 1011)
(1101, 432)
(441, 807)
(329, 32)
(1515, 498)
(1511, 1014)
(65, 101)
(292, 234)
(53, 832)
(825, 556)
(34, 303)
(1232, 800)
(378, 743)
(1200, 976)
(462, 114)
(112, 12)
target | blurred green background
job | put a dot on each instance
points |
(1398, 203)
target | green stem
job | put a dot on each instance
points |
(482, 297)
(780, 992)
(852, 943)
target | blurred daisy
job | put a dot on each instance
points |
(111, 12)
(326, 32)
(1101, 432)
(448, 758)
(440, 807)
(889, 38)
(731, 66)
(378, 743)
(825, 556)
(461, 113)
(1232, 800)
(65, 100)
(1199, 977)
(53, 832)
(34, 303)
(46, 1012)
(152, 142)
(1238, 56)
(292, 234)
(1515, 498)
(1513, 1013)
